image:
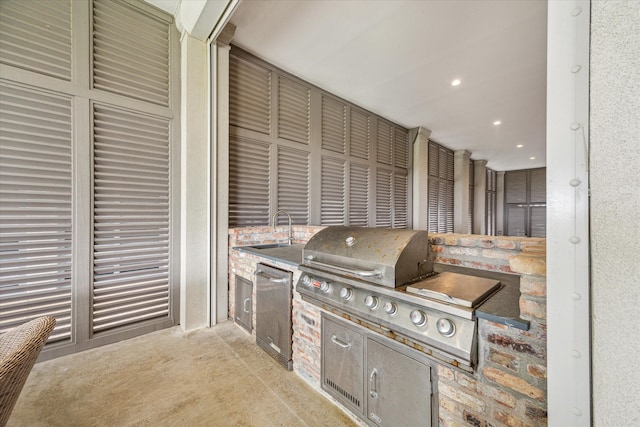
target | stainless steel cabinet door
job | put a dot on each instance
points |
(273, 312)
(244, 303)
(399, 388)
(342, 364)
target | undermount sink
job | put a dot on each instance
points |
(270, 246)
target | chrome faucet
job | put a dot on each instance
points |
(275, 216)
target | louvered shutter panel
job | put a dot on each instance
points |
(131, 217)
(384, 143)
(516, 221)
(538, 186)
(248, 183)
(360, 134)
(538, 221)
(130, 52)
(384, 203)
(294, 103)
(400, 199)
(434, 197)
(293, 184)
(400, 147)
(332, 205)
(434, 157)
(35, 208)
(358, 195)
(448, 206)
(334, 125)
(516, 187)
(442, 163)
(249, 96)
(35, 35)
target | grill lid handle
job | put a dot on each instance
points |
(359, 273)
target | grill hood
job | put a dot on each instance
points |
(387, 257)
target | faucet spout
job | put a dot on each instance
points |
(275, 216)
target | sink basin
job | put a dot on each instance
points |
(270, 246)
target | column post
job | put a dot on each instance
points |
(220, 49)
(420, 177)
(480, 196)
(461, 191)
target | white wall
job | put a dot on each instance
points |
(615, 211)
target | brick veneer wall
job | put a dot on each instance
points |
(509, 386)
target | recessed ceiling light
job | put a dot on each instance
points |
(532, 158)
(497, 122)
(519, 145)
(456, 82)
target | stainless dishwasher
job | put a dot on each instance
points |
(274, 330)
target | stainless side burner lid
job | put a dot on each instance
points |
(454, 288)
(388, 257)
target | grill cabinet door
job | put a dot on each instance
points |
(398, 388)
(342, 364)
(244, 302)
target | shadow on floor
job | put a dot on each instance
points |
(210, 377)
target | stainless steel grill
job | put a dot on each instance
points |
(385, 257)
(384, 279)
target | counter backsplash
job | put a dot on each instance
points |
(509, 385)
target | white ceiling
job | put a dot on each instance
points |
(398, 58)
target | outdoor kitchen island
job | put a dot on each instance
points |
(508, 385)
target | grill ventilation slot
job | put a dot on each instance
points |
(343, 392)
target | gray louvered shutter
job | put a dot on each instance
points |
(449, 206)
(332, 205)
(538, 186)
(400, 147)
(434, 187)
(293, 184)
(516, 221)
(294, 104)
(384, 203)
(248, 182)
(130, 52)
(334, 125)
(538, 221)
(400, 200)
(384, 142)
(35, 35)
(249, 96)
(360, 134)
(358, 195)
(35, 209)
(441, 188)
(515, 187)
(131, 217)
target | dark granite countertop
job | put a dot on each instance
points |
(503, 307)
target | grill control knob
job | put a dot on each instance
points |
(325, 287)
(446, 327)
(346, 293)
(391, 308)
(418, 317)
(371, 302)
(306, 280)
